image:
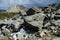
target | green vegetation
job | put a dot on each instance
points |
(7, 15)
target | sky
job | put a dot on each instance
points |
(4, 4)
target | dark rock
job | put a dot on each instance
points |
(30, 27)
(30, 12)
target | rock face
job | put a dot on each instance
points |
(35, 20)
(37, 23)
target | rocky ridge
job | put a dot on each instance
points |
(37, 23)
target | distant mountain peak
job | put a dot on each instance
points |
(16, 8)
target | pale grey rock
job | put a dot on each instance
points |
(37, 9)
(58, 11)
(6, 32)
(35, 20)
(19, 36)
(23, 13)
(56, 38)
(47, 24)
(18, 22)
(4, 38)
(56, 22)
(32, 37)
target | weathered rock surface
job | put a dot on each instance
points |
(37, 23)
(35, 20)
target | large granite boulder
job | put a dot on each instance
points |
(35, 20)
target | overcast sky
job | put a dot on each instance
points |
(4, 4)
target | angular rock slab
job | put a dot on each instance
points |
(36, 20)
